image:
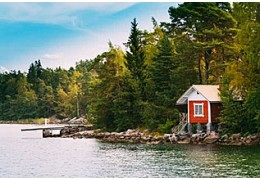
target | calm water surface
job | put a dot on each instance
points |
(27, 154)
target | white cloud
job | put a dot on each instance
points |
(55, 13)
(53, 56)
(88, 46)
(67, 51)
(3, 70)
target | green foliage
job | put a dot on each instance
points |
(204, 43)
(161, 87)
(166, 128)
(105, 88)
(22, 104)
(210, 28)
(163, 65)
(135, 57)
(45, 99)
(252, 106)
(232, 115)
(242, 77)
(127, 106)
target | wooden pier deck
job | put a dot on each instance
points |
(43, 128)
(47, 131)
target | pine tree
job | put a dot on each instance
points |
(210, 27)
(135, 57)
(163, 65)
(162, 90)
(45, 100)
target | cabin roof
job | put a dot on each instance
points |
(210, 92)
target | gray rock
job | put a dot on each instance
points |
(186, 140)
(107, 134)
(235, 143)
(210, 140)
(174, 138)
(167, 137)
(213, 137)
(236, 136)
(224, 137)
(254, 137)
(155, 142)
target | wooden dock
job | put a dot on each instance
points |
(42, 128)
(47, 131)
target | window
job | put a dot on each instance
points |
(198, 109)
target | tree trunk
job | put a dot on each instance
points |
(200, 73)
(207, 56)
(258, 13)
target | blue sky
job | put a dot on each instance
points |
(60, 34)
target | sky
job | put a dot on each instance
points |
(61, 34)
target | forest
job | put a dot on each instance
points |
(203, 43)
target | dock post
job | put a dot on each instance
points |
(46, 121)
(46, 133)
(189, 128)
(208, 127)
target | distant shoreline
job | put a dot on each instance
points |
(18, 122)
(29, 121)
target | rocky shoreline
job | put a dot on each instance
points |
(137, 136)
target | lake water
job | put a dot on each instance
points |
(27, 154)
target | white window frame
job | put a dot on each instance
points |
(198, 113)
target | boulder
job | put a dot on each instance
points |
(247, 141)
(89, 134)
(77, 136)
(174, 138)
(107, 134)
(186, 140)
(198, 138)
(224, 137)
(64, 131)
(251, 140)
(115, 134)
(99, 135)
(211, 138)
(236, 136)
(46, 133)
(129, 131)
(194, 138)
(235, 143)
(183, 136)
(155, 142)
(236, 139)
(167, 137)
(145, 138)
(157, 138)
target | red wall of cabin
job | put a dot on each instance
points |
(215, 111)
(193, 119)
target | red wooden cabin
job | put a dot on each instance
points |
(203, 104)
